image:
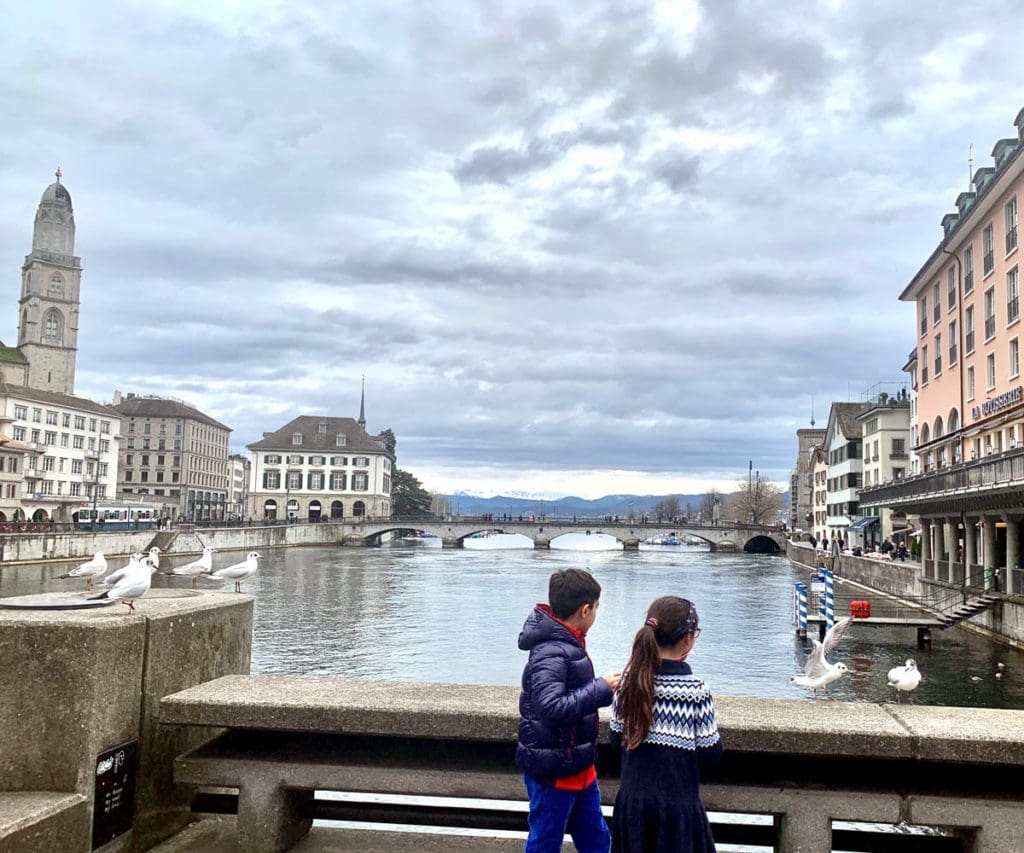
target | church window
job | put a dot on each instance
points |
(53, 330)
(56, 285)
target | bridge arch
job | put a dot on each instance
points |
(761, 544)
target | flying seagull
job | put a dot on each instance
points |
(239, 571)
(93, 569)
(819, 673)
(202, 566)
(905, 678)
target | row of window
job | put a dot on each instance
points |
(60, 487)
(129, 459)
(847, 451)
(54, 418)
(129, 476)
(336, 461)
(160, 445)
(850, 508)
(1013, 365)
(871, 449)
(60, 465)
(988, 265)
(340, 440)
(146, 427)
(315, 481)
(844, 481)
(64, 439)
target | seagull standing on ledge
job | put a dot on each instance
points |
(202, 566)
(129, 583)
(154, 557)
(239, 571)
(819, 673)
(905, 678)
(93, 569)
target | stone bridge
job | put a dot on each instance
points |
(453, 532)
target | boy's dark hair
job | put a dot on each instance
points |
(570, 589)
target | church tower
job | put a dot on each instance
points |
(48, 308)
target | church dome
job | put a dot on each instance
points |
(56, 193)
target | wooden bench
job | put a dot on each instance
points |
(805, 764)
(39, 821)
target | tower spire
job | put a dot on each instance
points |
(362, 404)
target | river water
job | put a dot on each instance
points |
(412, 611)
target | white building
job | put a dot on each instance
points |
(72, 450)
(315, 467)
(885, 433)
(843, 446)
(238, 484)
(819, 498)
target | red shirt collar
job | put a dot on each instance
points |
(581, 638)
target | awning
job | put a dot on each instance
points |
(863, 523)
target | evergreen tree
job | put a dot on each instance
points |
(408, 497)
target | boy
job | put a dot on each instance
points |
(558, 718)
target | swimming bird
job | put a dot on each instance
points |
(130, 583)
(819, 673)
(239, 571)
(1000, 666)
(905, 678)
(202, 566)
(154, 557)
(93, 569)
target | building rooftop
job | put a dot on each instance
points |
(134, 406)
(846, 415)
(21, 392)
(356, 438)
(11, 355)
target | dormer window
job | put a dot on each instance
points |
(296, 438)
(340, 440)
(322, 428)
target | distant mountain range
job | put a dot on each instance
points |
(465, 503)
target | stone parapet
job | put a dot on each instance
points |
(75, 683)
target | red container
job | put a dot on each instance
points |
(860, 609)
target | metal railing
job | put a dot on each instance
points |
(1002, 470)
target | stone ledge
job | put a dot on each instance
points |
(474, 712)
(40, 820)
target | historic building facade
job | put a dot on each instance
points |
(801, 487)
(238, 484)
(970, 394)
(318, 467)
(174, 455)
(842, 446)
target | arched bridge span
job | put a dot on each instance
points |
(453, 532)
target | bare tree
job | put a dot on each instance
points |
(756, 501)
(709, 505)
(667, 508)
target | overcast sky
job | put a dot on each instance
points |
(576, 248)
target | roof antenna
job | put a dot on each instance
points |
(970, 164)
(812, 410)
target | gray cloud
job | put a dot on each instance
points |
(582, 236)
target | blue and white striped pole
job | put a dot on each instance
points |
(801, 596)
(830, 601)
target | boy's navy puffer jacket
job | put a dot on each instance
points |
(559, 702)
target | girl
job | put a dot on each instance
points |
(665, 719)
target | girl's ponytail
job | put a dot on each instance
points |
(636, 695)
(669, 619)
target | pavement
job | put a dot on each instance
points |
(217, 835)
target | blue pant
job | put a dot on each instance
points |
(554, 812)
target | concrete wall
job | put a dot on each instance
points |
(81, 545)
(76, 683)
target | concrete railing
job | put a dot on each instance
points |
(804, 765)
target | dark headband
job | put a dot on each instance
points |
(689, 625)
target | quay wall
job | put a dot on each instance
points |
(1004, 622)
(80, 545)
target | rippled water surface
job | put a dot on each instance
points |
(413, 611)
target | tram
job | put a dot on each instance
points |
(116, 516)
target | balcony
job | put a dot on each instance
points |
(991, 476)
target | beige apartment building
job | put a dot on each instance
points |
(970, 413)
(173, 455)
(819, 495)
(885, 425)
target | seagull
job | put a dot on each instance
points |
(905, 678)
(819, 672)
(999, 665)
(93, 569)
(202, 566)
(129, 583)
(239, 571)
(154, 557)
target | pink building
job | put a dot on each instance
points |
(969, 434)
